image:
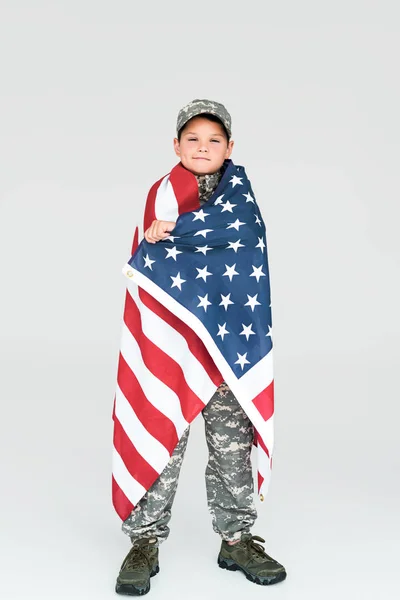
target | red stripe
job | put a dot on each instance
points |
(260, 480)
(137, 466)
(121, 503)
(264, 402)
(161, 364)
(185, 188)
(135, 242)
(156, 423)
(260, 441)
(196, 346)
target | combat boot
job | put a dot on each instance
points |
(251, 558)
(139, 565)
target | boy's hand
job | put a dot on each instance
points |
(158, 230)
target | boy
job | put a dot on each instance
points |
(203, 146)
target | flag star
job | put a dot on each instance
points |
(204, 302)
(252, 302)
(242, 360)
(200, 214)
(203, 249)
(203, 232)
(171, 237)
(261, 244)
(269, 334)
(249, 197)
(247, 331)
(148, 262)
(219, 199)
(222, 330)
(235, 245)
(225, 301)
(230, 271)
(227, 206)
(257, 220)
(172, 253)
(235, 225)
(177, 281)
(235, 180)
(203, 273)
(257, 272)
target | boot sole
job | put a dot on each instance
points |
(129, 589)
(231, 565)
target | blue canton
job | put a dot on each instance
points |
(215, 264)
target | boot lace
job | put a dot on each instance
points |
(256, 549)
(137, 557)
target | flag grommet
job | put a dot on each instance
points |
(129, 273)
(261, 498)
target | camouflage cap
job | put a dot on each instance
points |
(198, 106)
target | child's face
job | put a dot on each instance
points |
(202, 138)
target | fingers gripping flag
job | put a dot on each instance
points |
(197, 312)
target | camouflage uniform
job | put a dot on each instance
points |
(229, 477)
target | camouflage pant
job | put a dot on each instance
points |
(229, 478)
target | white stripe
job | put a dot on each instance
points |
(166, 204)
(156, 392)
(175, 345)
(148, 446)
(264, 468)
(132, 489)
(259, 376)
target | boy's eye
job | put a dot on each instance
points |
(194, 139)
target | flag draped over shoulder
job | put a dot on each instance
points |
(197, 312)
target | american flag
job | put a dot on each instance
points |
(197, 312)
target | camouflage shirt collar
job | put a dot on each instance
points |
(207, 184)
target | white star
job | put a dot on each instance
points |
(203, 232)
(247, 331)
(148, 262)
(235, 245)
(222, 330)
(235, 225)
(203, 249)
(204, 302)
(252, 302)
(219, 199)
(258, 220)
(225, 301)
(172, 252)
(171, 237)
(227, 206)
(230, 271)
(200, 214)
(269, 334)
(261, 244)
(242, 360)
(203, 273)
(249, 197)
(177, 281)
(257, 273)
(236, 180)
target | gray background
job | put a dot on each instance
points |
(90, 92)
